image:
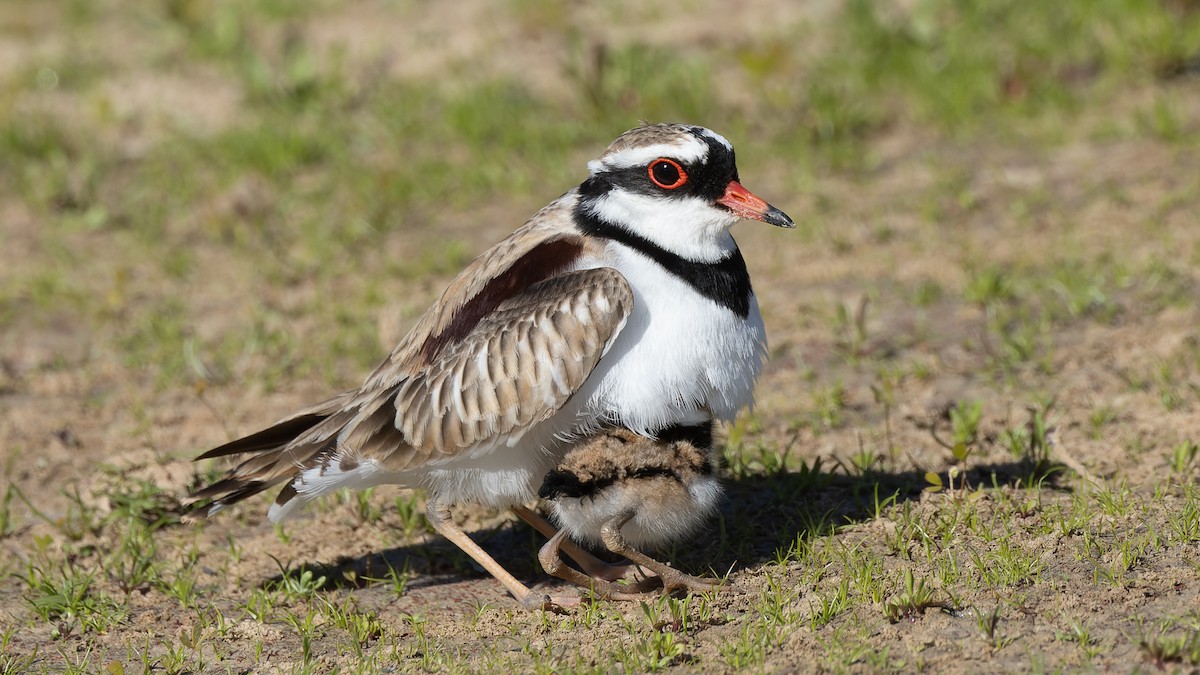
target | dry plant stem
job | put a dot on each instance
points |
(553, 564)
(439, 517)
(672, 579)
(591, 565)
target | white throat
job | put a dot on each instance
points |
(687, 227)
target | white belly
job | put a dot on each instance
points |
(680, 357)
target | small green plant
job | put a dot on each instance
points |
(988, 288)
(1184, 523)
(1100, 418)
(1182, 456)
(655, 651)
(302, 584)
(260, 606)
(865, 573)
(767, 459)
(181, 587)
(1115, 499)
(1032, 443)
(851, 328)
(828, 606)
(1008, 565)
(1082, 289)
(751, 645)
(884, 392)
(236, 549)
(66, 597)
(140, 501)
(6, 525)
(360, 503)
(778, 601)
(927, 293)
(77, 662)
(1165, 647)
(965, 418)
(412, 516)
(827, 406)
(989, 627)
(397, 579)
(864, 461)
(911, 602)
(305, 623)
(134, 565)
(11, 662)
(185, 654)
(958, 472)
(363, 628)
(1081, 633)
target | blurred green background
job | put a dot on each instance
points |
(153, 148)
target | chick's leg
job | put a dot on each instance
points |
(553, 564)
(591, 565)
(672, 579)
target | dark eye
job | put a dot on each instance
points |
(666, 173)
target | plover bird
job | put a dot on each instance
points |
(625, 303)
(628, 492)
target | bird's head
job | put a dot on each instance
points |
(675, 185)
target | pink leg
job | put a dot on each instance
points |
(552, 563)
(591, 565)
(441, 520)
(672, 579)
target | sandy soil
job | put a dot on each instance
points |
(77, 418)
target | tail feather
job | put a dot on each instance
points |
(230, 491)
(268, 439)
(271, 456)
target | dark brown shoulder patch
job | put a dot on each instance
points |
(541, 262)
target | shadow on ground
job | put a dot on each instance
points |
(761, 519)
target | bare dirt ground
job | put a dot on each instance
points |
(1029, 292)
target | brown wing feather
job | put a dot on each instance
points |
(538, 250)
(363, 422)
(515, 369)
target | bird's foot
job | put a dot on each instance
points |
(617, 572)
(556, 604)
(673, 580)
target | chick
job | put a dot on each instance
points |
(627, 492)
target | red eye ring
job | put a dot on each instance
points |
(666, 173)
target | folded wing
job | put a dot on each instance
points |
(483, 387)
